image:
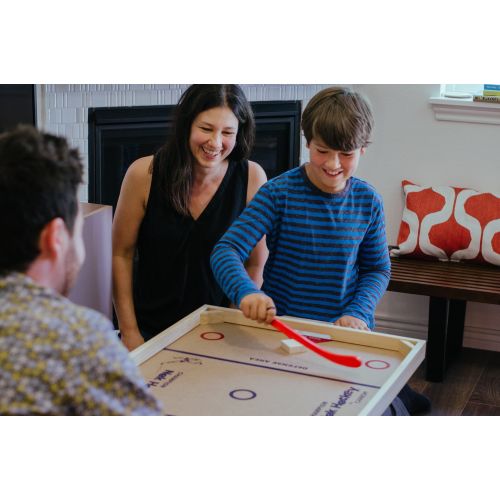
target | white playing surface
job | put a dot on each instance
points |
(229, 369)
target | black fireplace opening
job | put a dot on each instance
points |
(118, 136)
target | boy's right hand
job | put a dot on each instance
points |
(259, 307)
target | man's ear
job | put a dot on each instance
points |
(362, 150)
(53, 239)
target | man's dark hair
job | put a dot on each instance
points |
(39, 179)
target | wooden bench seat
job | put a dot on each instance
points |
(449, 285)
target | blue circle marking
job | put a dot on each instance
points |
(243, 394)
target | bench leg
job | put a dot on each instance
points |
(445, 335)
(435, 354)
(455, 333)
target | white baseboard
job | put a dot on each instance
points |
(401, 327)
(482, 338)
(474, 337)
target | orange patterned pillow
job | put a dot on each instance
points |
(450, 223)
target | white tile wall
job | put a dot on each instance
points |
(63, 109)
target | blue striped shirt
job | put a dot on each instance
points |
(328, 253)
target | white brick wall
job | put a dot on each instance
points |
(63, 109)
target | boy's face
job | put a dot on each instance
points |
(329, 169)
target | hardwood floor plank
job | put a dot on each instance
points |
(451, 396)
(417, 382)
(479, 409)
(487, 390)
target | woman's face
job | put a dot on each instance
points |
(213, 136)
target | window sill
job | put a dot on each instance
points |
(465, 110)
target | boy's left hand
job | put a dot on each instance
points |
(351, 322)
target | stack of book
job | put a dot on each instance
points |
(491, 93)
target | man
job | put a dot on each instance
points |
(56, 358)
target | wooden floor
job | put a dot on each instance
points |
(471, 385)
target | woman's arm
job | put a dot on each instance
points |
(257, 259)
(126, 223)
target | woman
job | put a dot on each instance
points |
(173, 208)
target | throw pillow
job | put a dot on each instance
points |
(449, 223)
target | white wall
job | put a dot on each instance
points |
(409, 143)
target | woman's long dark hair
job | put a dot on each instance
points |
(175, 161)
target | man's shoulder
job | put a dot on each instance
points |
(57, 313)
(87, 333)
(26, 302)
(72, 313)
(81, 324)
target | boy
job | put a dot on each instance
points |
(328, 257)
(56, 358)
(325, 229)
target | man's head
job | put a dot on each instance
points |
(340, 118)
(40, 222)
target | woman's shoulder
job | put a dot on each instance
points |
(256, 178)
(255, 171)
(137, 181)
(140, 172)
(141, 166)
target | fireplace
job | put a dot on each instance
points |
(120, 135)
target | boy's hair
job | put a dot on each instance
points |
(339, 117)
(39, 179)
(175, 160)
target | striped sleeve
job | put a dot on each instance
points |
(374, 269)
(233, 249)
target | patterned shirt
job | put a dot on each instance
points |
(57, 358)
(328, 253)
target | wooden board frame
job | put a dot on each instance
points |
(412, 349)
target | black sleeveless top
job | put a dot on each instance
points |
(172, 274)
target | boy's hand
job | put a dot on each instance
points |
(351, 322)
(259, 307)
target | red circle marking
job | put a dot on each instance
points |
(212, 335)
(377, 364)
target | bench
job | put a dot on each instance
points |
(449, 285)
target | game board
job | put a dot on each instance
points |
(217, 362)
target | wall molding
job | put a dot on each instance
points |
(465, 110)
(475, 337)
